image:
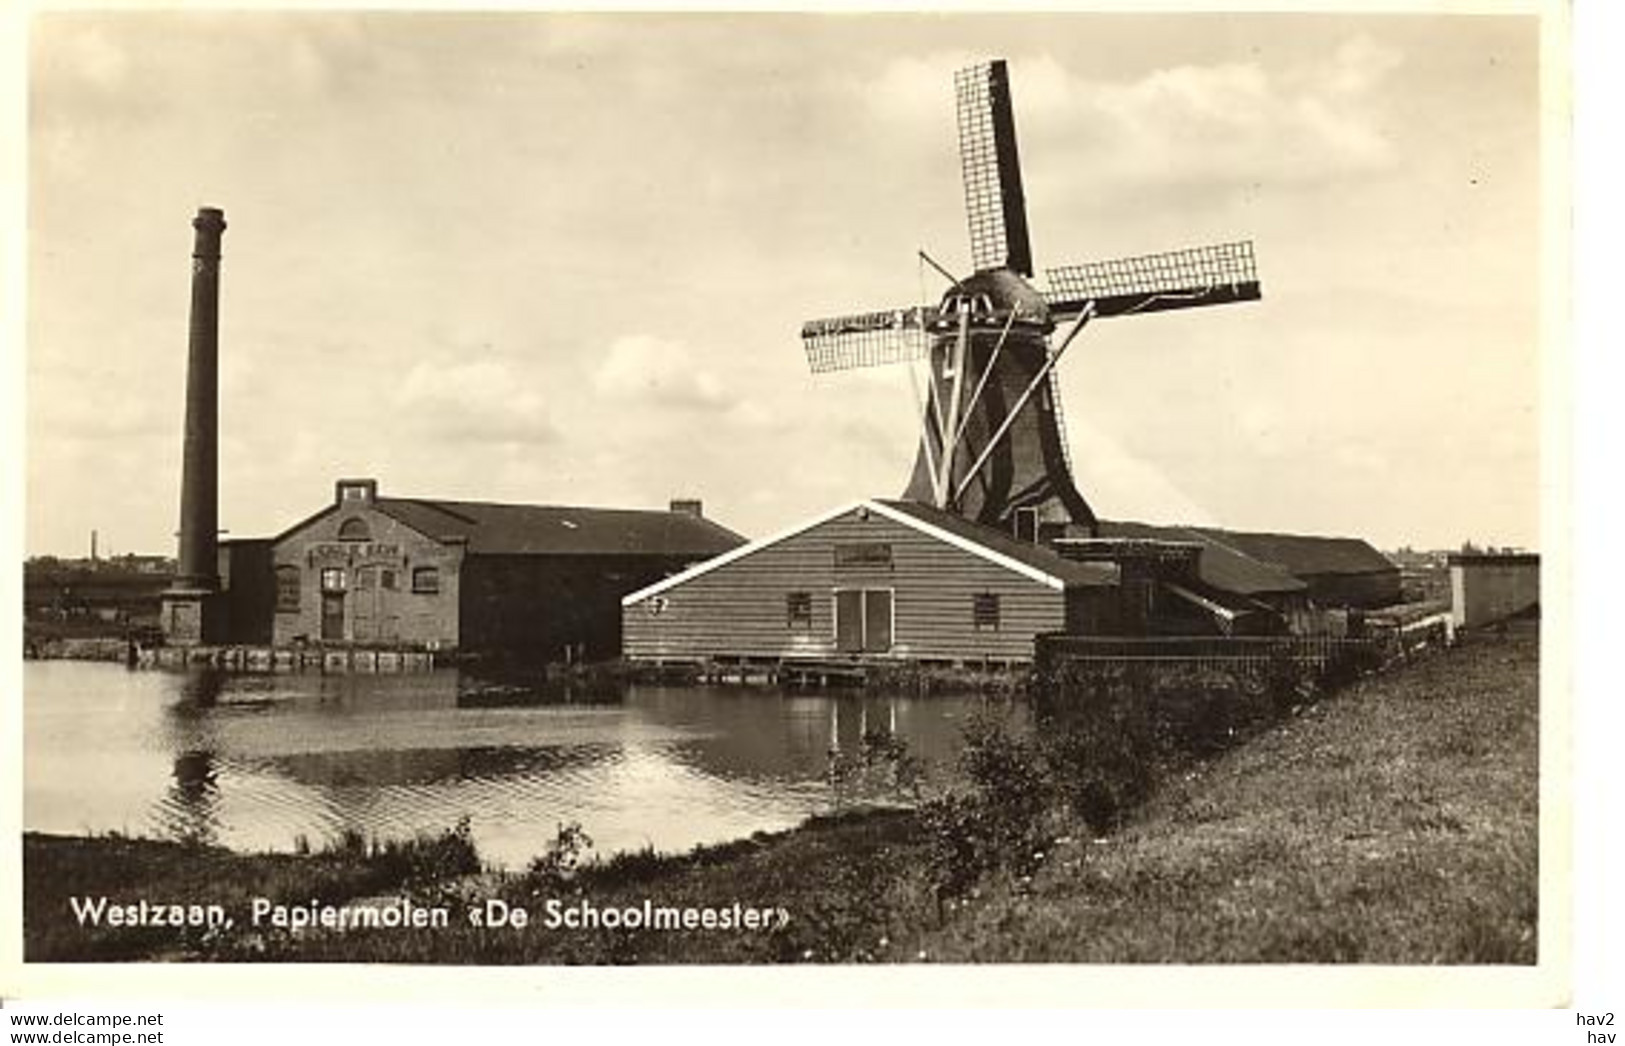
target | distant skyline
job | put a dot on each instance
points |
(565, 258)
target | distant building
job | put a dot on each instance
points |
(107, 592)
(543, 581)
(1333, 572)
(1486, 587)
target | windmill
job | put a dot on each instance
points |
(993, 444)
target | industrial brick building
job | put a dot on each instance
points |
(541, 581)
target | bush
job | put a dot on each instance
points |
(1008, 775)
(959, 852)
(881, 769)
(563, 857)
(425, 859)
(1100, 743)
(1000, 823)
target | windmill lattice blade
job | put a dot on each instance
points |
(868, 339)
(994, 204)
(1212, 275)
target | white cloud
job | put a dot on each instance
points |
(642, 367)
(1120, 485)
(481, 401)
(94, 410)
(92, 55)
(1227, 122)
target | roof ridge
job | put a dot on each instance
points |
(438, 506)
(442, 503)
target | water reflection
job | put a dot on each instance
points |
(189, 810)
(259, 761)
(200, 689)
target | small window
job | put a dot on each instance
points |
(426, 580)
(984, 611)
(364, 578)
(386, 579)
(358, 491)
(332, 579)
(798, 609)
(355, 529)
(1026, 524)
(287, 589)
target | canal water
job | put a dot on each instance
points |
(261, 761)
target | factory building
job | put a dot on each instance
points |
(539, 581)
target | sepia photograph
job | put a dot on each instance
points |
(534, 488)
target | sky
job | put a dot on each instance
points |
(563, 258)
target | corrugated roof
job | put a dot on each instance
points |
(1070, 572)
(497, 529)
(1304, 555)
(1221, 565)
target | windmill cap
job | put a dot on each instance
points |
(1006, 290)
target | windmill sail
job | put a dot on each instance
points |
(994, 204)
(1212, 275)
(993, 445)
(868, 339)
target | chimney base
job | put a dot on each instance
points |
(191, 615)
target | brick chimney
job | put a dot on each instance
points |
(689, 507)
(187, 603)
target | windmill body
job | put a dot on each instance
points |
(1025, 483)
(993, 443)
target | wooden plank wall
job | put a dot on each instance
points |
(738, 610)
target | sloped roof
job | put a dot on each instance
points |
(1221, 566)
(1304, 555)
(1070, 572)
(1040, 564)
(497, 529)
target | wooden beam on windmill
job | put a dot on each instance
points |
(992, 442)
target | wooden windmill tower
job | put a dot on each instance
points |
(993, 446)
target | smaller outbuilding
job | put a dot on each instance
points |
(1486, 587)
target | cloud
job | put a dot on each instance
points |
(1233, 122)
(481, 401)
(655, 371)
(94, 410)
(93, 56)
(1119, 484)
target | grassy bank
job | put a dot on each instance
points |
(1394, 821)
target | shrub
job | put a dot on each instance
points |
(425, 858)
(1000, 823)
(881, 768)
(1008, 775)
(563, 857)
(1100, 743)
(958, 854)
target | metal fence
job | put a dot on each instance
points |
(1247, 652)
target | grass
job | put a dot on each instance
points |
(1393, 822)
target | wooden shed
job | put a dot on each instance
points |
(872, 580)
